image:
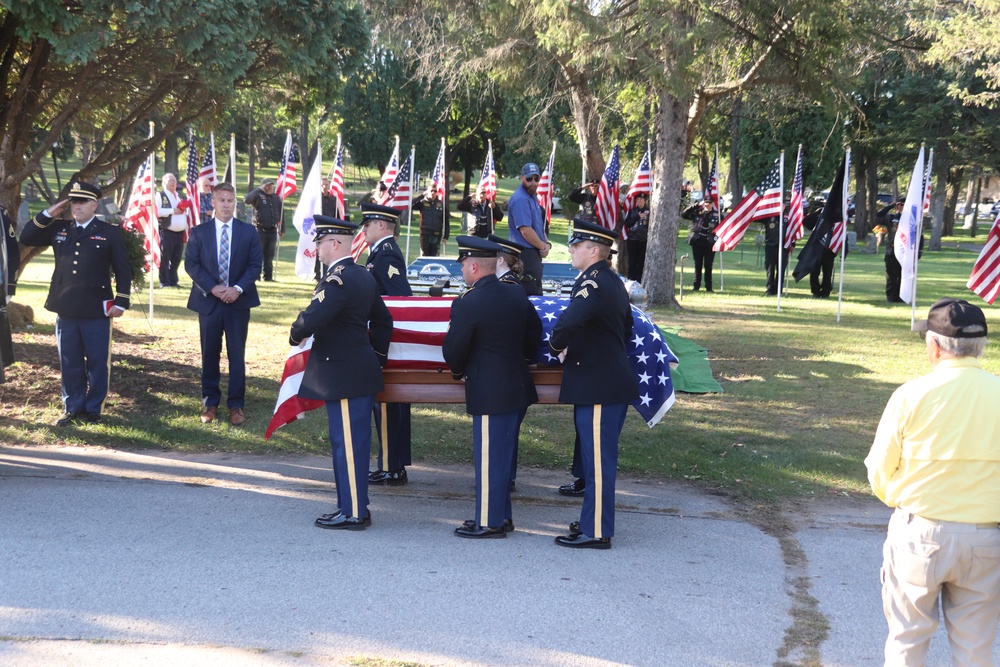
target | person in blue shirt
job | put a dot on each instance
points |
(527, 227)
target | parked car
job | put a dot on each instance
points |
(995, 210)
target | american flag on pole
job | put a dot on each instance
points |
(389, 174)
(141, 212)
(764, 201)
(193, 192)
(208, 167)
(712, 192)
(337, 182)
(840, 225)
(544, 193)
(287, 184)
(419, 327)
(642, 184)
(439, 179)
(359, 245)
(488, 180)
(796, 214)
(985, 278)
(606, 206)
(398, 194)
(927, 181)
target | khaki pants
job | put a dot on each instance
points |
(959, 563)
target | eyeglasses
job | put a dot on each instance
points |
(532, 178)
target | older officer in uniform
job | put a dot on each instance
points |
(385, 262)
(494, 333)
(590, 338)
(87, 251)
(345, 365)
(268, 220)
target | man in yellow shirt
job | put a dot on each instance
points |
(936, 459)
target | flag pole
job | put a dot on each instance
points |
(232, 158)
(843, 209)
(153, 221)
(920, 233)
(718, 211)
(781, 228)
(409, 205)
(444, 202)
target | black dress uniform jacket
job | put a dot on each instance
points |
(594, 330)
(85, 260)
(494, 334)
(385, 262)
(346, 361)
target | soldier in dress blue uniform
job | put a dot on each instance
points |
(511, 270)
(351, 328)
(386, 264)
(590, 338)
(493, 335)
(87, 251)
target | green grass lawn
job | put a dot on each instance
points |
(802, 391)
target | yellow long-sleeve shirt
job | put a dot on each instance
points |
(937, 448)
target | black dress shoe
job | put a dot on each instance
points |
(340, 520)
(581, 541)
(69, 417)
(470, 529)
(574, 529)
(92, 417)
(508, 525)
(388, 477)
(575, 489)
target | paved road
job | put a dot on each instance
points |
(123, 558)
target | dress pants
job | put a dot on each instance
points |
(269, 244)
(929, 564)
(636, 259)
(350, 444)
(392, 421)
(704, 257)
(821, 286)
(599, 427)
(893, 278)
(771, 267)
(234, 323)
(493, 439)
(171, 252)
(85, 361)
(430, 244)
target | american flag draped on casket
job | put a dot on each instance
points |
(419, 327)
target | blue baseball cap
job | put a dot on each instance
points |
(530, 169)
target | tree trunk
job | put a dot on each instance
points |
(734, 156)
(871, 174)
(956, 176)
(938, 203)
(975, 202)
(251, 150)
(170, 153)
(704, 167)
(304, 138)
(671, 140)
(861, 217)
(584, 108)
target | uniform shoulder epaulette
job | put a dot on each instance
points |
(334, 276)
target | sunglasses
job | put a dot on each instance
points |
(532, 178)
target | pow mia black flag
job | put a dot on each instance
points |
(819, 239)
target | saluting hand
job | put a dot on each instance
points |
(57, 208)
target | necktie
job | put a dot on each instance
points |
(224, 256)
